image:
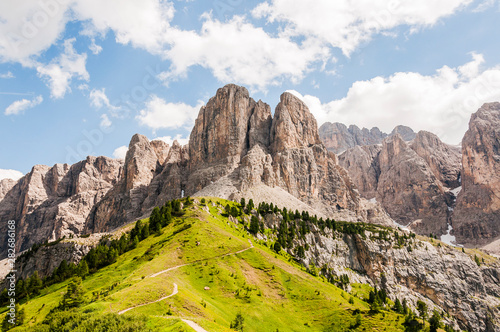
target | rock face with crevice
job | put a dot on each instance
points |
(476, 218)
(444, 160)
(52, 202)
(338, 138)
(411, 180)
(236, 145)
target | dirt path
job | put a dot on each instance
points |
(195, 326)
(175, 291)
(201, 260)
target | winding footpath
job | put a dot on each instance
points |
(192, 324)
(175, 291)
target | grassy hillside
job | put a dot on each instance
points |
(218, 271)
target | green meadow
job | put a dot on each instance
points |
(215, 283)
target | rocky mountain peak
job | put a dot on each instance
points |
(443, 159)
(161, 149)
(293, 126)
(337, 137)
(141, 162)
(477, 215)
(407, 134)
(220, 133)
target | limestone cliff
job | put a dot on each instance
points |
(51, 202)
(476, 218)
(338, 138)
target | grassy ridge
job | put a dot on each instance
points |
(270, 292)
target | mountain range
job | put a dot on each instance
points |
(238, 149)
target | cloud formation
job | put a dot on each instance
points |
(345, 24)
(441, 103)
(60, 72)
(170, 140)
(159, 114)
(19, 106)
(10, 174)
(121, 152)
(237, 51)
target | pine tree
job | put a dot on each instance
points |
(237, 323)
(422, 309)
(35, 284)
(254, 225)
(242, 202)
(406, 310)
(277, 246)
(435, 321)
(145, 232)
(83, 269)
(74, 296)
(155, 219)
(398, 307)
(250, 205)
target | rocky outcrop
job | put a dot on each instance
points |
(236, 145)
(226, 129)
(51, 202)
(476, 218)
(407, 179)
(153, 173)
(5, 186)
(447, 279)
(47, 258)
(444, 160)
(338, 138)
(408, 189)
(406, 133)
(363, 166)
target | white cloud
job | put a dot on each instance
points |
(169, 140)
(29, 27)
(105, 121)
(20, 106)
(159, 114)
(234, 51)
(59, 73)
(140, 23)
(347, 23)
(485, 5)
(10, 174)
(441, 103)
(237, 51)
(7, 75)
(98, 99)
(120, 153)
(94, 48)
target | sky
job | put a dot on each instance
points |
(81, 77)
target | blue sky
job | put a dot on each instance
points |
(81, 77)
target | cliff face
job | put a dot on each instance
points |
(51, 202)
(450, 279)
(226, 129)
(476, 217)
(153, 173)
(338, 138)
(235, 146)
(407, 268)
(266, 152)
(407, 179)
(443, 159)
